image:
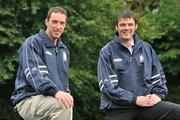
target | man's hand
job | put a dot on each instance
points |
(142, 101)
(65, 98)
(153, 99)
(147, 101)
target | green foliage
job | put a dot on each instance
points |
(7, 66)
(86, 33)
(6, 111)
(172, 96)
(168, 47)
(166, 21)
(11, 37)
(86, 95)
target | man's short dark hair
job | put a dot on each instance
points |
(126, 14)
(56, 10)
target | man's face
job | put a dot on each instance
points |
(126, 28)
(55, 25)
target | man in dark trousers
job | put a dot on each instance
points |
(131, 78)
(41, 86)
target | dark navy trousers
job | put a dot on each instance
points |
(161, 111)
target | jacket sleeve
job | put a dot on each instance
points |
(158, 78)
(34, 70)
(108, 82)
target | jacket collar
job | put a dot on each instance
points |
(137, 41)
(48, 42)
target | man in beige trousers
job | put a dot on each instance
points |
(41, 86)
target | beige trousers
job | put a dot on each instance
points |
(43, 108)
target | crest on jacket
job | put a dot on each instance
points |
(141, 58)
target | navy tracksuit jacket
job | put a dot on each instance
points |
(43, 68)
(124, 76)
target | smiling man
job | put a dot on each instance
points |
(131, 79)
(41, 87)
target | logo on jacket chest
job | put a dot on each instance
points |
(141, 58)
(64, 56)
